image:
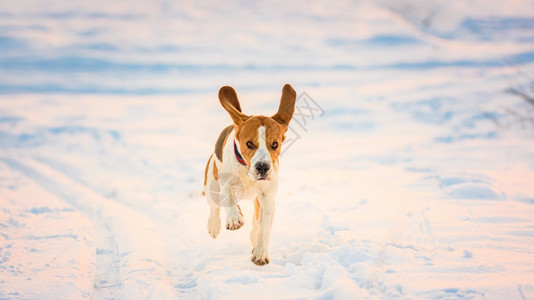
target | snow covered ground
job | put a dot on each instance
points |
(416, 182)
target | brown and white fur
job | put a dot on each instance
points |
(258, 140)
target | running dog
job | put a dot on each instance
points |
(245, 165)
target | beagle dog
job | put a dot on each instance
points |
(245, 165)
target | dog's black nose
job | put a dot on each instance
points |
(262, 168)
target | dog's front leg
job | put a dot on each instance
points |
(234, 217)
(260, 253)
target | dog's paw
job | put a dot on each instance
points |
(214, 226)
(259, 257)
(234, 220)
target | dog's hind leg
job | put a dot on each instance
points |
(214, 220)
(255, 224)
(211, 192)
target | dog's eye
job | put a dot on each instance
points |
(250, 145)
(274, 145)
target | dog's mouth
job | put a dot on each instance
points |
(260, 177)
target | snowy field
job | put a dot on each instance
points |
(411, 176)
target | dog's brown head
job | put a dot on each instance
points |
(260, 138)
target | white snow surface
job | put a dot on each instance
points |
(410, 177)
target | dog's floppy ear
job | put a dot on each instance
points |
(228, 98)
(287, 106)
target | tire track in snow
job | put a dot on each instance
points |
(130, 255)
(50, 246)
